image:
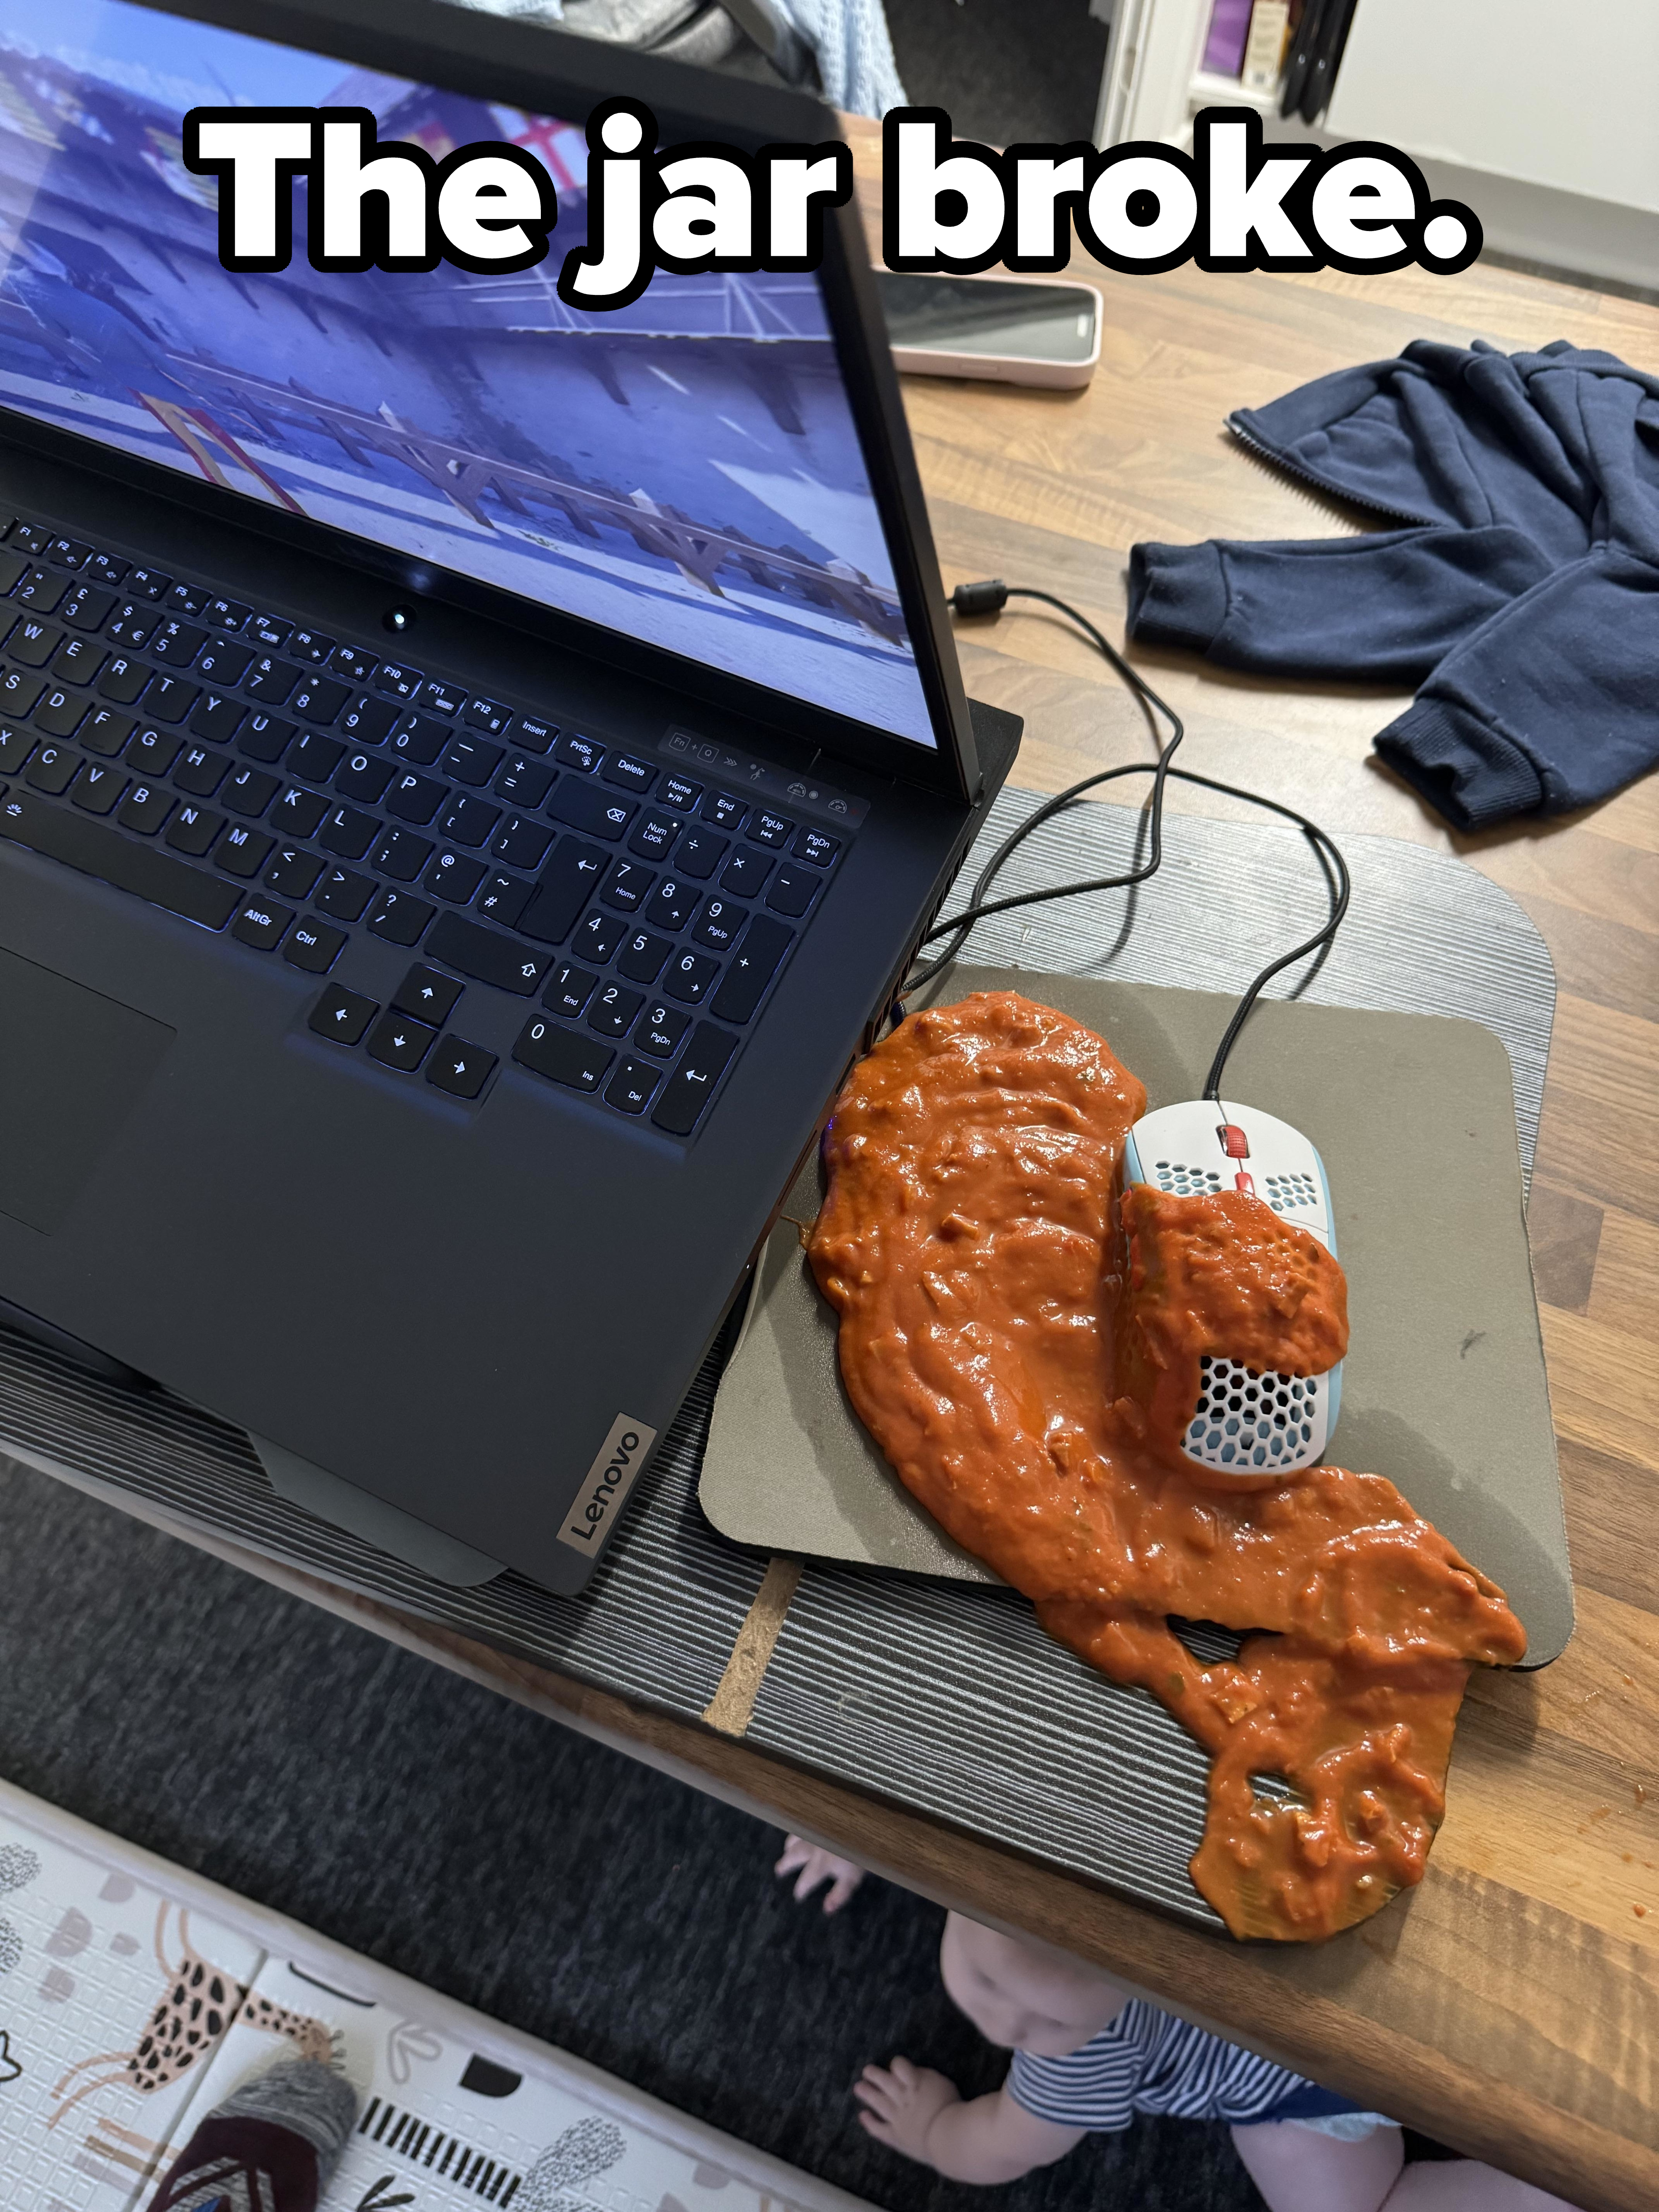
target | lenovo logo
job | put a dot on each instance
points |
(610, 1479)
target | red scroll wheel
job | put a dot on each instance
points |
(1236, 1145)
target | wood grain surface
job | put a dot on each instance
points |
(1509, 2005)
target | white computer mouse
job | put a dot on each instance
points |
(1251, 1423)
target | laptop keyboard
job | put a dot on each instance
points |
(291, 788)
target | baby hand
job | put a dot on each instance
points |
(901, 2103)
(816, 1867)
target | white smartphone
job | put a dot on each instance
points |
(1013, 329)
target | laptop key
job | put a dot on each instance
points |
(488, 716)
(454, 876)
(614, 1009)
(315, 759)
(293, 872)
(19, 690)
(124, 679)
(399, 916)
(724, 812)
(628, 886)
(522, 844)
(485, 955)
(148, 584)
(598, 937)
(217, 717)
(692, 977)
(53, 770)
(97, 786)
(350, 660)
(261, 922)
(427, 995)
(86, 607)
(468, 821)
(271, 680)
(660, 1030)
(578, 1062)
(178, 643)
(243, 852)
(347, 833)
(169, 699)
(689, 1089)
(503, 899)
(718, 925)
(98, 849)
(762, 945)
(699, 853)
(30, 537)
(361, 776)
(813, 845)
(584, 806)
(791, 890)
(16, 746)
(68, 553)
(680, 792)
(641, 959)
(401, 854)
(40, 589)
(78, 661)
(297, 813)
(569, 990)
(341, 1014)
(224, 663)
(654, 836)
(106, 732)
(270, 632)
(398, 1042)
(319, 699)
(108, 567)
(633, 1086)
(266, 738)
(367, 720)
(444, 698)
(345, 895)
(578, 752)
(153, 752)
(398, 681)
(746, 871)
(472, 761)
(33, 642)
(417, 738)
(414, 797)
(523, 780)
(672, 904)
(193, 828)
(460, 1068)
(310, 645)
(628, 773)
(200, 771)
(313, 945)
(227, 614)
(60, 714)
(187, 598)
(249, 792)
(146, 807)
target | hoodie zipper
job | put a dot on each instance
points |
(1325, 484)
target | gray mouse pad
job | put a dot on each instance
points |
(1443, 1390)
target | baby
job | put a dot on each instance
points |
(1087, 2057)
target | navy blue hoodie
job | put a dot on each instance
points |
(1520, 596)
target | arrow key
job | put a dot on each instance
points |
(342, 1015)
(399, 1042)
(428, 995)
(460, 1068)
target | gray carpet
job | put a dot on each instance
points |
(1006, 71)
(557, 1885)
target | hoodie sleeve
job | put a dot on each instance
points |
(1384, 608)
(1553, 704)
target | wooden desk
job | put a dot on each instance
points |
(1511, 2005)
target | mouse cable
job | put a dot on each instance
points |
(990, 598)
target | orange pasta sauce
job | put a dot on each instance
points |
(1023, 1345)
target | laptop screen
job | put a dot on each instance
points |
(686, 470)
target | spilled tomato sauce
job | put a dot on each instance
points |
(1023, 1345)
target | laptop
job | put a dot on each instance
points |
(472, 772)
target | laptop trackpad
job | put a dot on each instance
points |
(75, 1063)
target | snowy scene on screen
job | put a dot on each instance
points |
(685, 471)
